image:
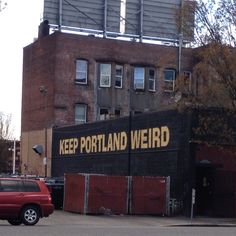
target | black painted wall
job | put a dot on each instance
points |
(172, 160)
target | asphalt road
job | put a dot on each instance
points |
(63, 223)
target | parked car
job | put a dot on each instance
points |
(24, 201)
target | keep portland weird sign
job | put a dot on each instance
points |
(139, 139)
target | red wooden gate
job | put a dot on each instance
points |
(148, 195)
(100, 194)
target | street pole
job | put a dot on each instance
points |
(14, 158)
(45, 158)
(193, 202)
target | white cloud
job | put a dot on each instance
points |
(19, 26)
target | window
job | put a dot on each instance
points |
(105, 75)
(81, 71)
(169, 80)
(11, 186)
(117, 113)
(80, 113)
(139, 74)
(103, 114)
(119, 76)
(151, 80)
(137, 112)
(31, 186)
(114, 114)
(188, 80)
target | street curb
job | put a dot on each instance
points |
(202, 225)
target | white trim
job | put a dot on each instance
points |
(81, 121)
(151, 79)
(119, 76)
(106, 76)
(139, 83)
(77, 80)
(171, 82)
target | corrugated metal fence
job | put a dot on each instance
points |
(102, 194)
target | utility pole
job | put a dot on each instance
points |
(14, 158)
(13, 149)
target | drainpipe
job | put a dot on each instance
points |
(180, 53)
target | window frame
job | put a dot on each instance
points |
(108, 75)
(77, 80)
(136, 112)
(189, 78)
(172, 81)
(151, 79)
(106, 116)
(119, 77)
(135, 79)
(16, 186)
(81, 121)
(31, 186)
(117, 112)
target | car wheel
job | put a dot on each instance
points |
(30, 215)
(15, 221)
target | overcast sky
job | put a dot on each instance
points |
(19, 26)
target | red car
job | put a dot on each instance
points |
(24, 201)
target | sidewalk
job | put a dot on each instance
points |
(140, 220)
(200, 221)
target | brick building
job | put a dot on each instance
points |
(71, 79)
